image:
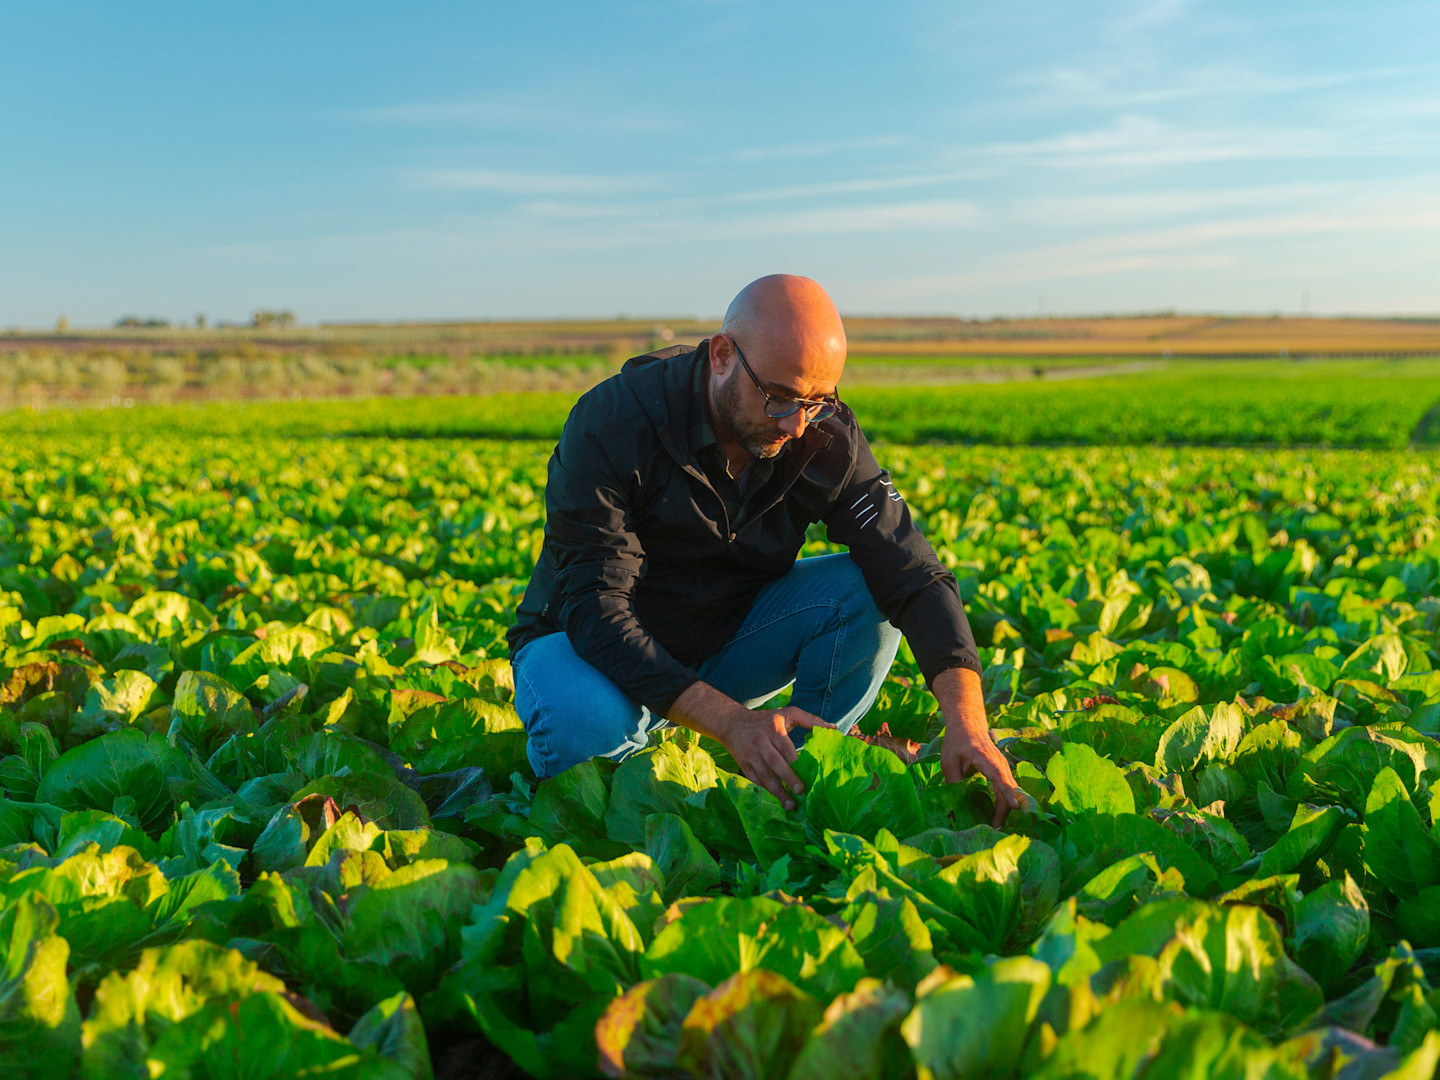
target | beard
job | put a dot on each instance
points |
(760, 439)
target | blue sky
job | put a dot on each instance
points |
(429, 160)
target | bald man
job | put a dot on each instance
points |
(669, 590)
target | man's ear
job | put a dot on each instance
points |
(722, 354)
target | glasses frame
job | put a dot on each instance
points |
(788, 406)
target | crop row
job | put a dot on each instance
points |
(1374, 404)
(262, 775)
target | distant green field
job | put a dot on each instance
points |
(1376, 404)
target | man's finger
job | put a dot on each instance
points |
(998, 773)
(815, 722)
(762, 775)
(787, 749)
(781, 768)
(1008, 794)
(800, 718)
(1002, 811)
(950, 768)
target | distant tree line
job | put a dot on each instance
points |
(260, 319)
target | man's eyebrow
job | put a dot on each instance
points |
(786, 391)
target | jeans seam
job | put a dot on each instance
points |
(542, 744)
(835, 654)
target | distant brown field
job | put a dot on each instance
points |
(1178, 335)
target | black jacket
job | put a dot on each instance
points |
(643, 569)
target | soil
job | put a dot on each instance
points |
(471, 1057)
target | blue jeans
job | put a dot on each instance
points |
(816, 627)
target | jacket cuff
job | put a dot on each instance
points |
(933, 671)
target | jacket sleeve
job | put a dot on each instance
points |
(598, 562)
(910, 585)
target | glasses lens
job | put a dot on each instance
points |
(779, 408)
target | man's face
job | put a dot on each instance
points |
(744, 414)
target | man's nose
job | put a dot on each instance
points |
(794, 424)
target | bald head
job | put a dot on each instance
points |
(789, 324)
(791, 337)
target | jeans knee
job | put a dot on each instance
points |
(860, 606)
(571, 712)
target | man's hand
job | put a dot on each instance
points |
(962, 754)
(761, 746)
(967, 746)
(759, 740)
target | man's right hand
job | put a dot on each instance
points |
(758, 739)
(760, 744)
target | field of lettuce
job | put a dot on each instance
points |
(266, 809)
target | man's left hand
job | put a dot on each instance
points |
(962, 753)
(967, 746)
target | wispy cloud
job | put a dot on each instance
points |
(1091, 211)
(886, 217)
(1211, 244)
(1148, 15)
(1138, 141)
(510, 232)
(822, 149)
(856, 219)
(1108, 86)
(651, 207)
(523, 114)
(512, 182)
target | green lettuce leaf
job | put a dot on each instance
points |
(262, 1035)
(410, 921)
(858, 1038)
(655, 781)
(853, 786)
(716, 939)
(125, 764)
(1086, 783)
(639, 1035)
(394, 1030)
(1398, 848)
(750, 1027)
(1332, 926)
(977, 1026)
(39, 1020)
(688, 868)
(206, 711)
(133, 1009)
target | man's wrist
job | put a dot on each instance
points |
(704, 709)
(962, 703)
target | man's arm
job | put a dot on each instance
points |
(759, 739)
(598, 561)
(967, 745)
(921, 599)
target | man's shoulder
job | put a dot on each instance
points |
(646, 386)
(649, 359)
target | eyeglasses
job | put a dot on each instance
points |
(777, 408)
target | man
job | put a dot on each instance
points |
(668, 589)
